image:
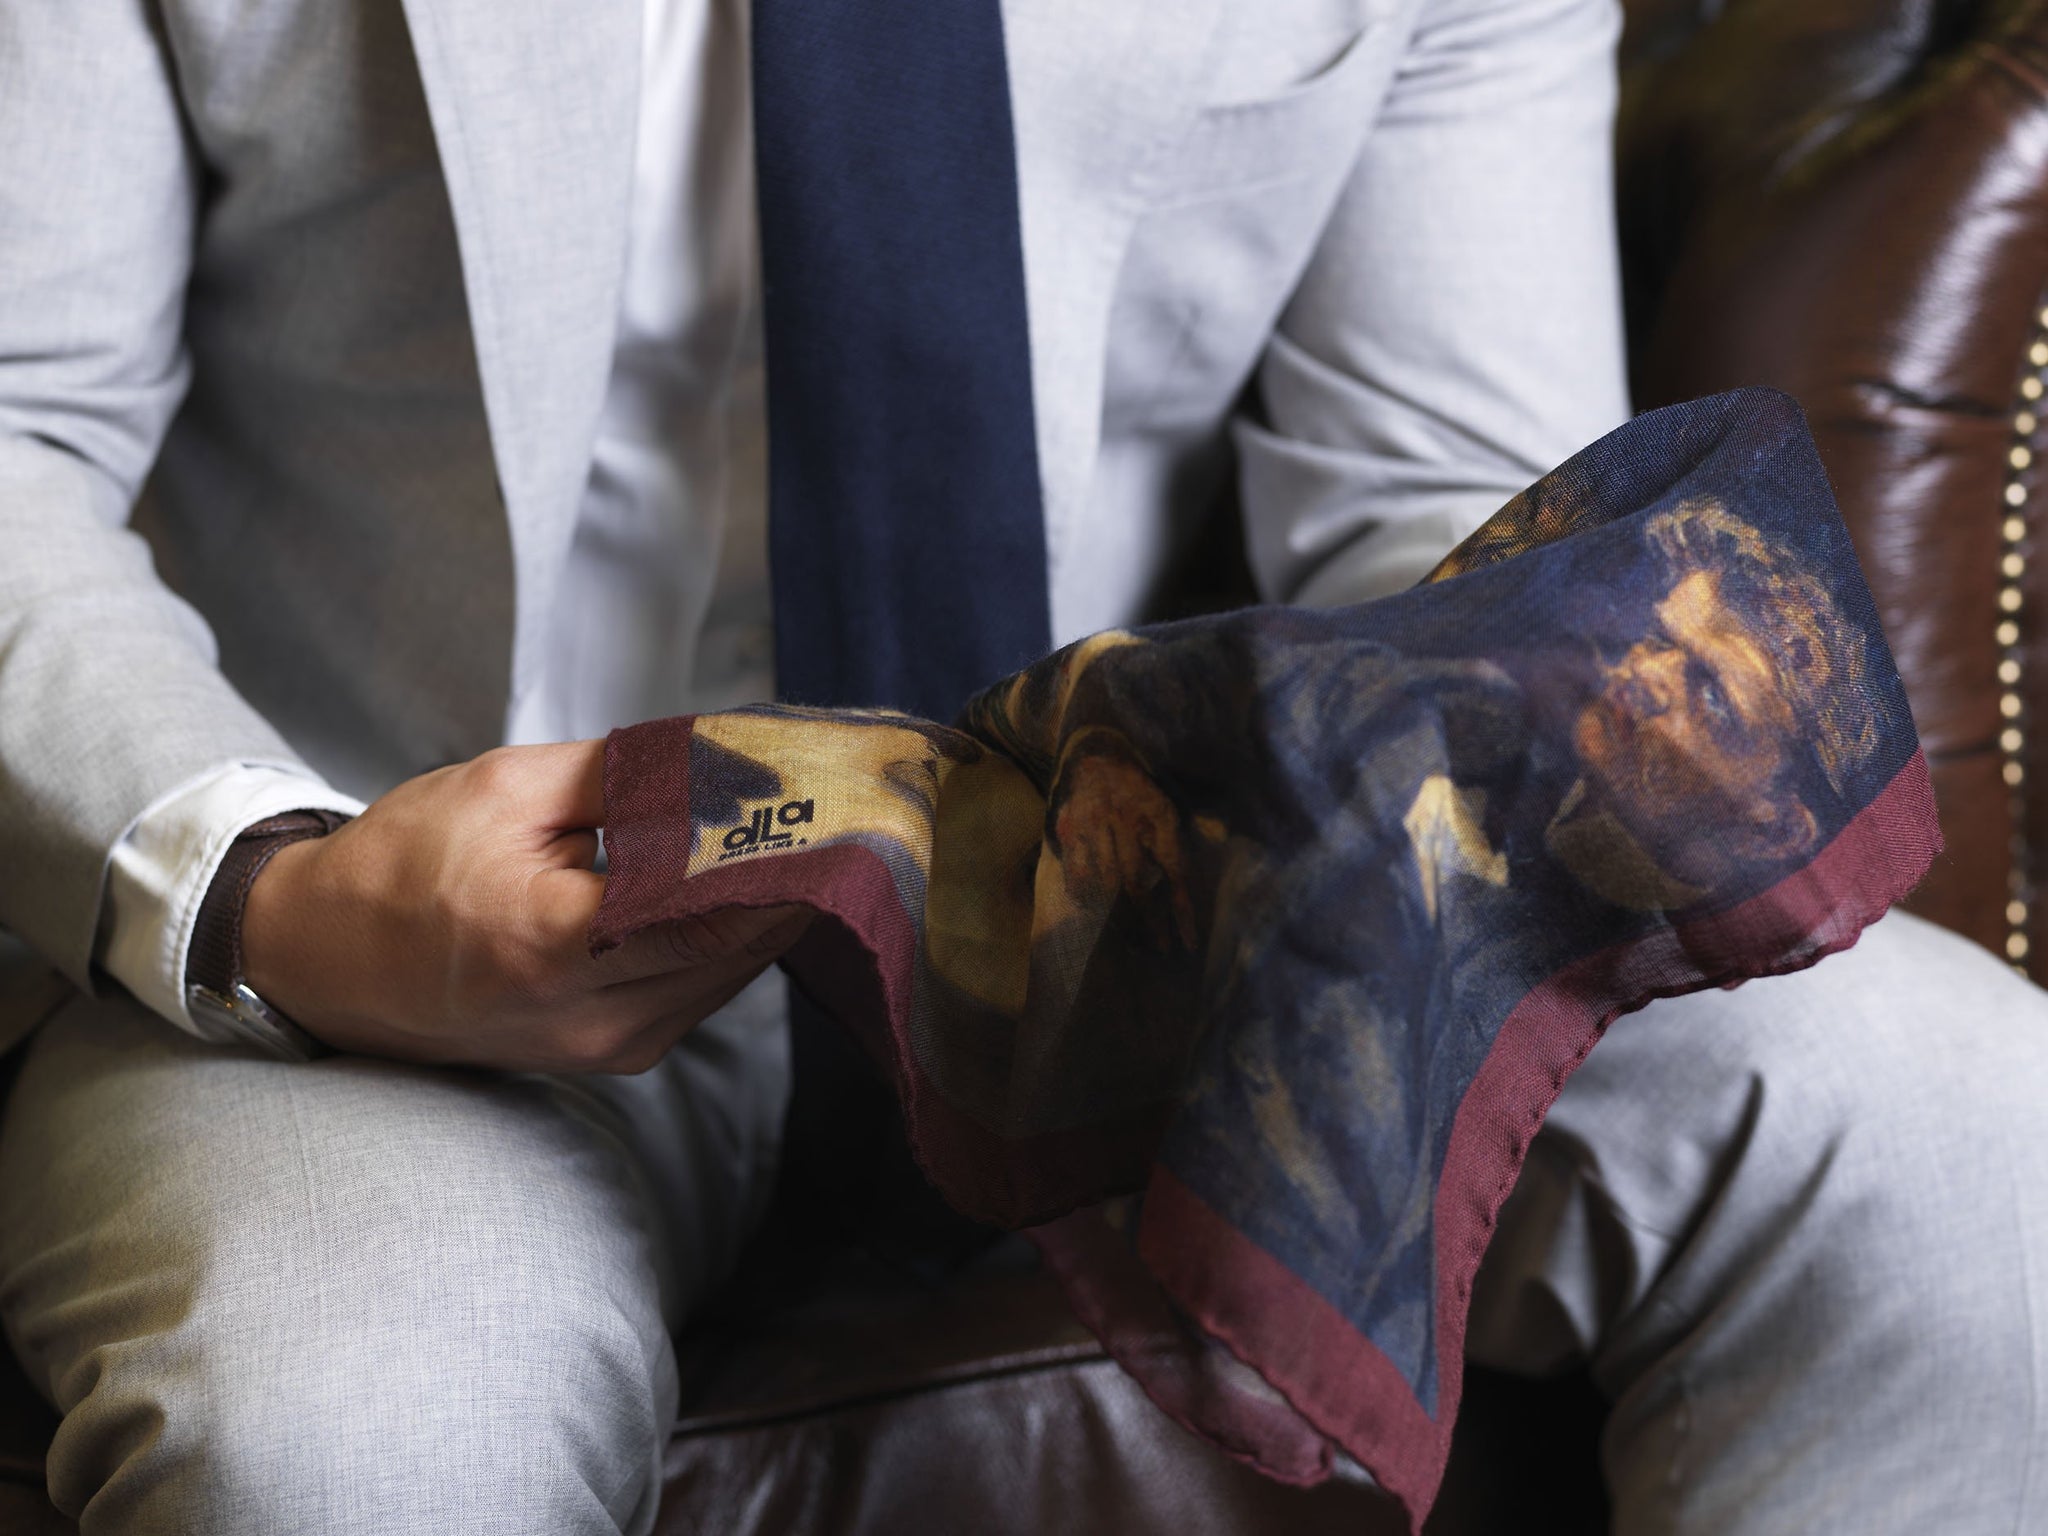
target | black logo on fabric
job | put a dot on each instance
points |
(763, 831)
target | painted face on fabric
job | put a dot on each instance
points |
(1686, 740)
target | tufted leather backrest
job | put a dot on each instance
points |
(1848, 199)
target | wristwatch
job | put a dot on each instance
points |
(219, 998)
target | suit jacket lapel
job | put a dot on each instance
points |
(1100, 94)
(534, 109)
(534, 106)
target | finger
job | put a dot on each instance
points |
(1159, 835)
(697, 992)
(566, 897)
(572, 850)
(644, 1018)
(560, 784)
(1077, 863)
(654, 1039)
(760, 933)
(1125, 857)
(1164, 847)
(551, 787)
(1183, 913)
(1148, 830)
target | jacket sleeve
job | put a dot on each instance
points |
(110, 699)
(1458, 329)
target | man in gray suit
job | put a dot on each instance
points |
(381, 382)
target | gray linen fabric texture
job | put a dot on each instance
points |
(328, 290)
(1797, 1229)
(352, 1296)
(324, 293)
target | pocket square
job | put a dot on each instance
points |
(1239, 959)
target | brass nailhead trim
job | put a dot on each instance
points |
(2012, 568)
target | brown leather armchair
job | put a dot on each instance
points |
(1848, 199)
(1844, 198)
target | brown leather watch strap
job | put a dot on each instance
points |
(215, 959)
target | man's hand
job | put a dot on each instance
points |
(1119, 834)
(447, 923)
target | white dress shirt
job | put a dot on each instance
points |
(663, 606)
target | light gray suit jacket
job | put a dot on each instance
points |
(306, 312)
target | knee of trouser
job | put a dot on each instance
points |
(508, 1406)
(420, 1332)
(1824, 1192)
(1856, 1145)
(1916, 1059)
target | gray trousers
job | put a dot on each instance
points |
(1800, 1231)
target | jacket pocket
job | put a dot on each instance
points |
(1310, 127)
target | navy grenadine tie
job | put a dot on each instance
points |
(906, 533)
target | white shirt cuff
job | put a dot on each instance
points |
(161, 868)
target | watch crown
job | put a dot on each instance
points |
(239, 1015)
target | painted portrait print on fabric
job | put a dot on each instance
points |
(1240, 958)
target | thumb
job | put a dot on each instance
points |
(564, 784)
